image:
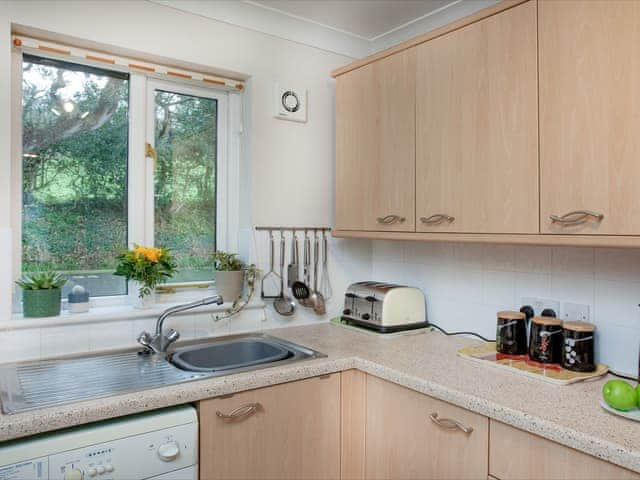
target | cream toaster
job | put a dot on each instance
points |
(384, 307)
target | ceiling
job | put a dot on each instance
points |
(366, 19)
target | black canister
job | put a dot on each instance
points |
(511, 333)
(578, 345)
(545, 341)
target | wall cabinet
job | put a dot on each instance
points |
(375, 146)
(590, 115)
(477, 127)
(526, 121)
(290, 431)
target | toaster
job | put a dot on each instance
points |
(384, 307)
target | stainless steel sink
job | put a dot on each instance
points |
(32, 385)
(230, 355)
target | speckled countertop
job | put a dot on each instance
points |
(426, 362)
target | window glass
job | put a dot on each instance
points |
(75, 156)
(185, 181)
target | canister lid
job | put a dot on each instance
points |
(579, 326)
(546, 320)
(511, 315)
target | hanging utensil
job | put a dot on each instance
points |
(325, 283)
(271, 274)
(283, 304)
(301, 289)
(293, 270)
(317, 300)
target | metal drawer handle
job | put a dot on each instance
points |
(242, 411)
(449, 423)
(437, 219)
(390, 219)
(576, 217)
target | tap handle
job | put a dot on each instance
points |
(172, 335)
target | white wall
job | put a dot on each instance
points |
(288, 167)
(467, 284)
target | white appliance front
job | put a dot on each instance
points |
(160, 445)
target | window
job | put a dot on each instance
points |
(185, 136)
(88, 191)
(74, 171)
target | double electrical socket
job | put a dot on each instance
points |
(570, 311)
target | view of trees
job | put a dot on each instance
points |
(75, 156)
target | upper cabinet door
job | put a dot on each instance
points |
(590, 116)
(375, 146)
(477, 127)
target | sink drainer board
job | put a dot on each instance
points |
(26, 386)
(33, 385)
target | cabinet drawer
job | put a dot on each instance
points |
(515, 454)
(285, 431)
(411, 435)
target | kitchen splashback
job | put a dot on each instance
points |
(466, 284)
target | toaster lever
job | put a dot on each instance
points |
(371, 299)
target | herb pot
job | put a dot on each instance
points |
(41, 303)
(545, 343)
(229, 284)
(144, 303)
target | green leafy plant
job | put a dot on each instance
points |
(41, 281)
(227, 262)
(147, 265)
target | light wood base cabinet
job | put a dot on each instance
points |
(288, 431)
(518, 455)
(403, 441)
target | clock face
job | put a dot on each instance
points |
(290, 101)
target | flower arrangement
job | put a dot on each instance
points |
(147, 265)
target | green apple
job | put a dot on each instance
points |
(620, 395)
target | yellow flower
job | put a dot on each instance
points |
(153, 254)
(149, 253)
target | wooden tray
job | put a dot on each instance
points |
(486, 354)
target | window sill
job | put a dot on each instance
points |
(107, 314)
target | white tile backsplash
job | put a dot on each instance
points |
(466, 284)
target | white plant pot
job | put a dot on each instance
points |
(146, 302)
(229, 285)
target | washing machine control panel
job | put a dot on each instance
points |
(140, 456)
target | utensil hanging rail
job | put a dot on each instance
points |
(297, 229)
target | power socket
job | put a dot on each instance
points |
(575, 311)
(540, 304)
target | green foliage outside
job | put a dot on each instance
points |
(75, 145)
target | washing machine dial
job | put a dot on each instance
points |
(168, 451)
(74, 474)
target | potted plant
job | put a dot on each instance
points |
(41, 294)
(229, 275)
(145, 268)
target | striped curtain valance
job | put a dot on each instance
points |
(88, 57)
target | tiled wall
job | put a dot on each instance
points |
(466, 284)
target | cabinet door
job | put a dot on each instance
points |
(518, 455)
(375, 146)
(289, 431)
(590, 116)
(403, 442)
(477, 127)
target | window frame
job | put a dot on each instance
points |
(141, 169)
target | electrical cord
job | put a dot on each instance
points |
(429, 324)
(622, 375)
